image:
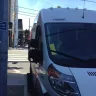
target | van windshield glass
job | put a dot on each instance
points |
(74, 39)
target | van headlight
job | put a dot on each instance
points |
(62, 84)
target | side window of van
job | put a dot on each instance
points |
(39, 39)
(38, 36)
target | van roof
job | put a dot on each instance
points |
(53, 15)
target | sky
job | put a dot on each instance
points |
(25, 13)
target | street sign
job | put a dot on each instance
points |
(2, 25)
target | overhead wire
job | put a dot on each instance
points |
(27, 12)
(27, 8)
(89, 1)
(26, 15)
(47, 3)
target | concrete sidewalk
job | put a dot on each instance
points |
(16, 84)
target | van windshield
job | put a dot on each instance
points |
(74, 39)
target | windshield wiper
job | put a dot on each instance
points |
(66, 55)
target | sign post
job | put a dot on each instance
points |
(3, 46)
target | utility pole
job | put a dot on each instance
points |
(3, 46)
(29, 24)
(16, 23)
(29, 28)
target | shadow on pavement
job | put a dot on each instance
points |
(15, 90)
(14, 68)
(16, 84)
(14, 62)
(30, 85)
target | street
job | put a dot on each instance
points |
(18, 55)
(18, 67)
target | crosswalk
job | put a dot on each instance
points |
(17, 55)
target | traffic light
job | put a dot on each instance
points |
(10, 25)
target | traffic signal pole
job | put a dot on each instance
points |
(3, 46)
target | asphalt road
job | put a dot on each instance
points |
(16, 73)
(20, 67)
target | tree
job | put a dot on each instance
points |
(58, 6)
(26, 35)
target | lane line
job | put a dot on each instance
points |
(17, 71)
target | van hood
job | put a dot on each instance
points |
(86, 80)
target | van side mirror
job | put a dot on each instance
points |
(33, 43)
(35, 55)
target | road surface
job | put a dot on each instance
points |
(18, 55)
(17, 78)
(18, 67)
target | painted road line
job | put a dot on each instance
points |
(17, 71)
(17, 55)
(18, 58)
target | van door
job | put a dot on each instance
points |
(39, 68)
(35, 67)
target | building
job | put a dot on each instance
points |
(10, 19)
(9, 10)
(13, 17)
(20, 32)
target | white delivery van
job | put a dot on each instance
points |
(63, 53)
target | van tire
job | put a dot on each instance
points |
(29, 82)
(38, 90)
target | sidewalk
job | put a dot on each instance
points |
(16, 84)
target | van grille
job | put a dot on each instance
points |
(91, 73)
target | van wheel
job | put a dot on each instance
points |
(30, 69)
(30, 82)
(38, 90)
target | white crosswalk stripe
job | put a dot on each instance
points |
(17, 55)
